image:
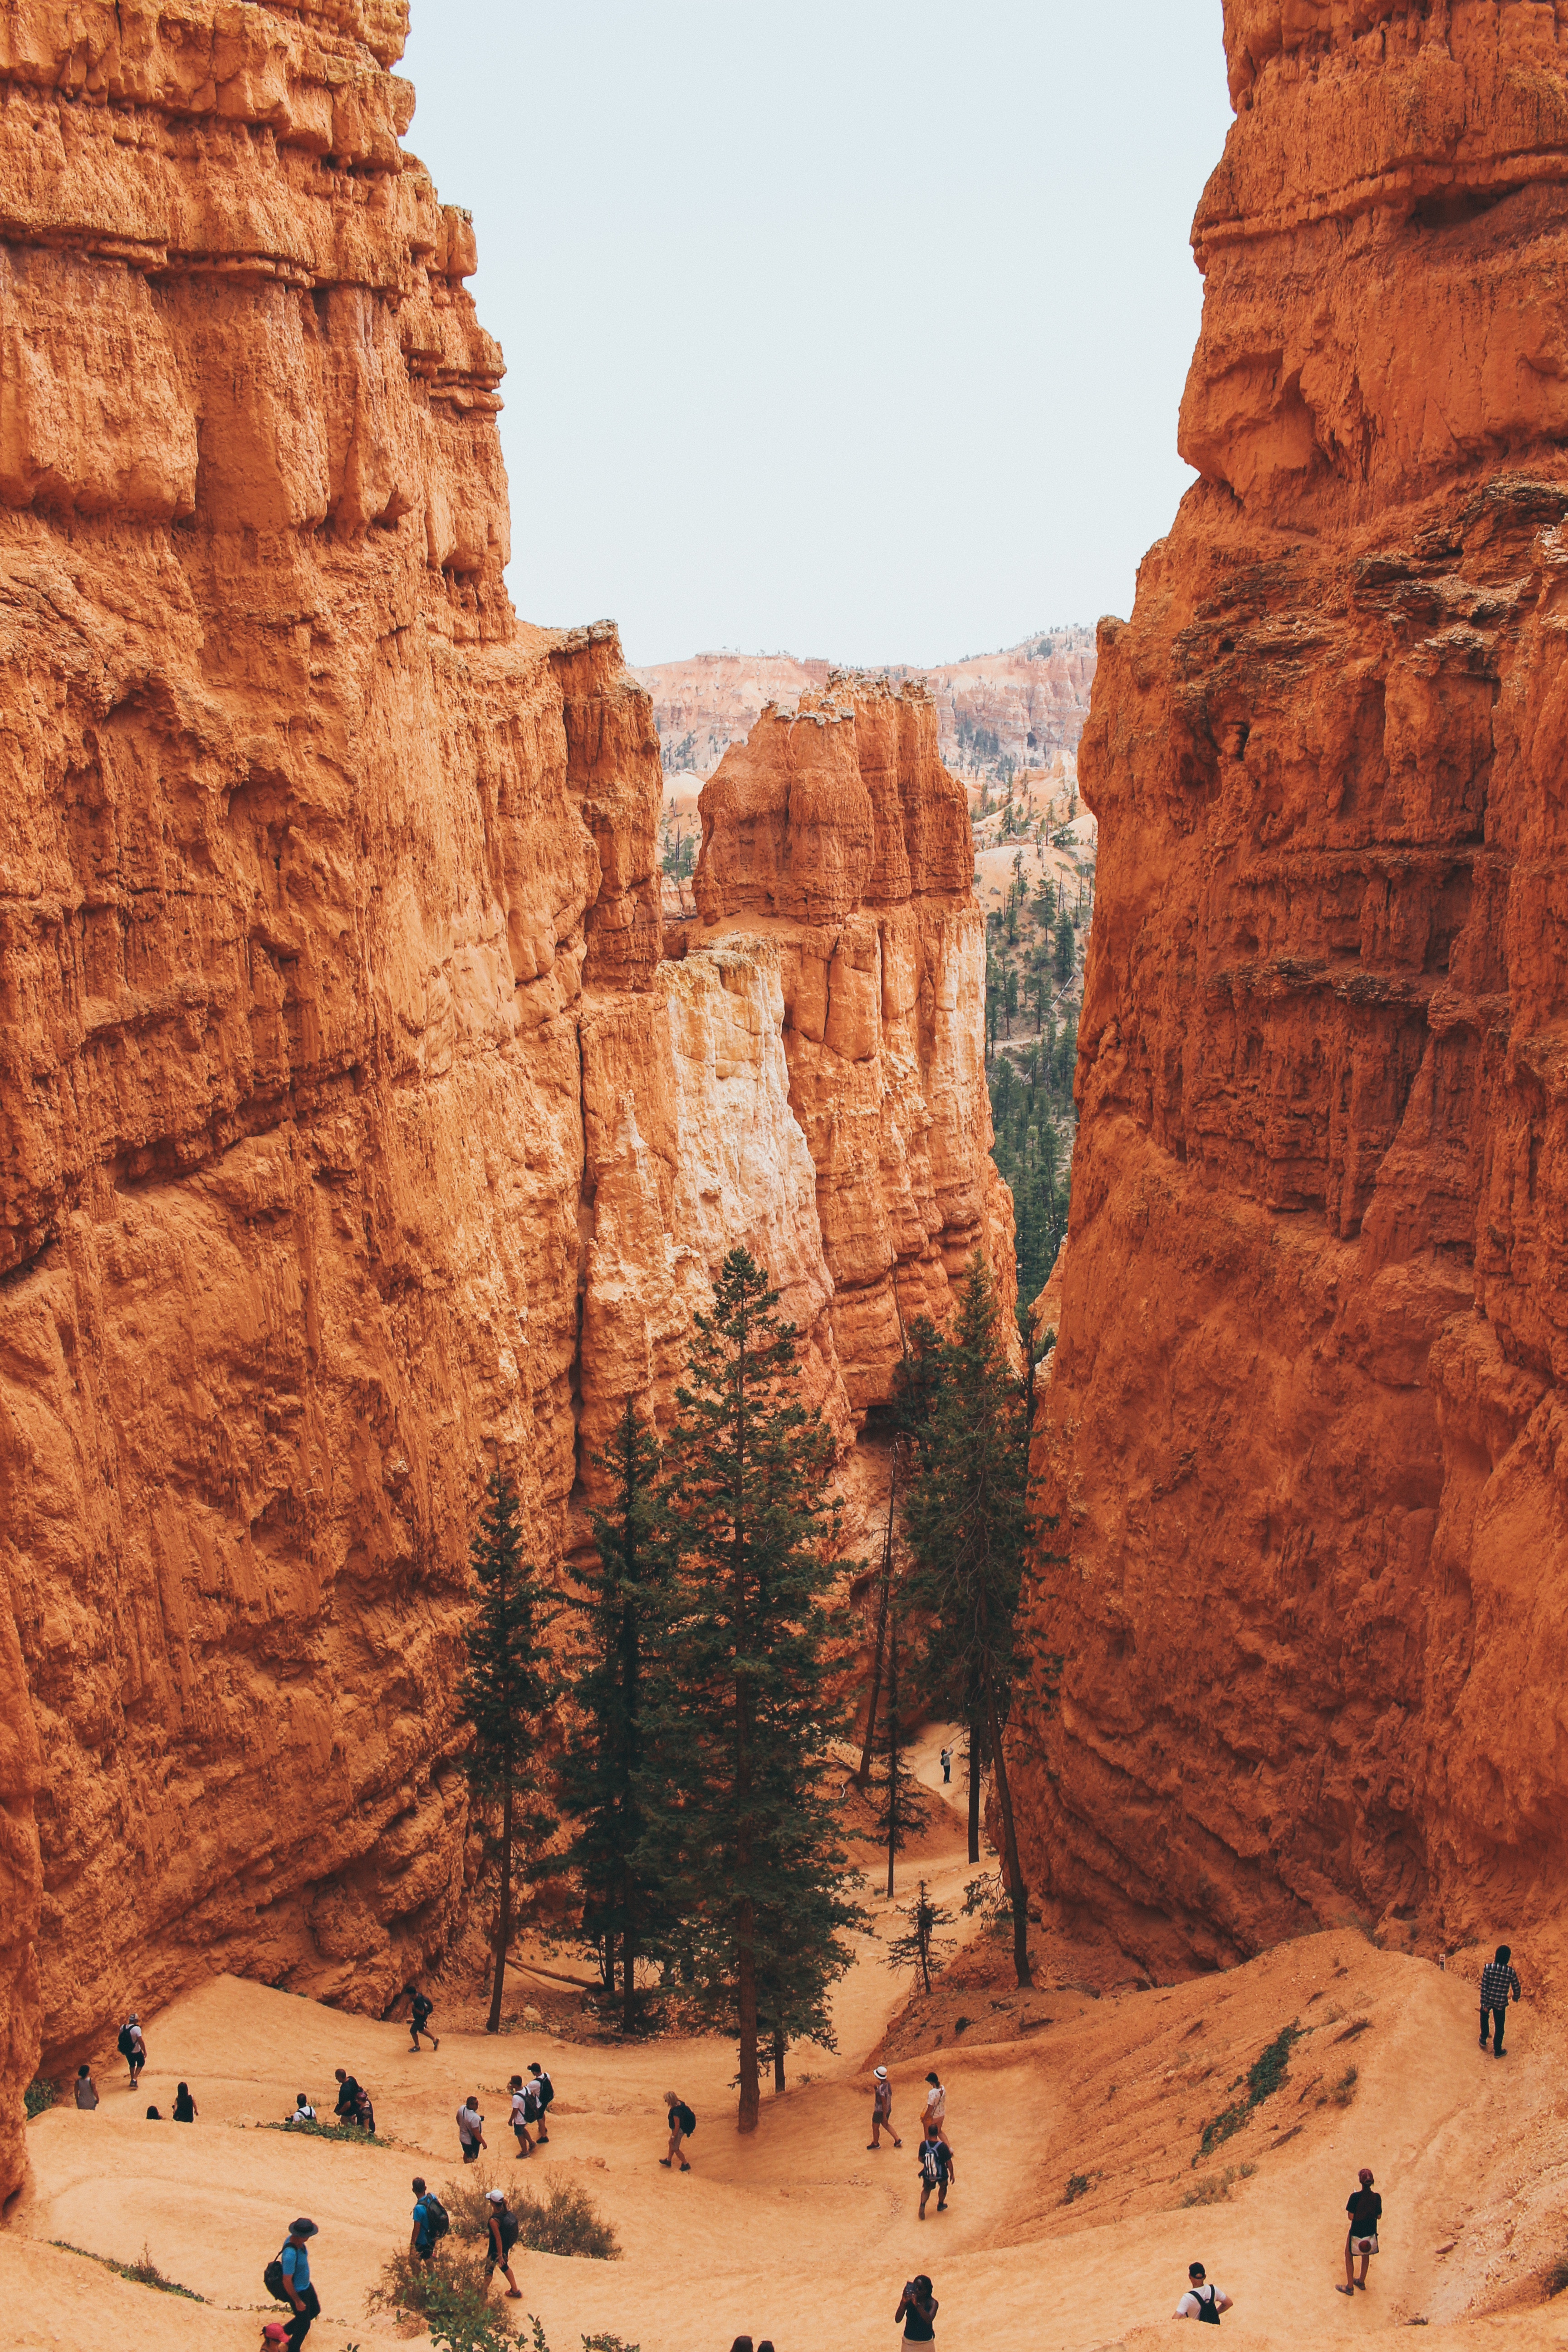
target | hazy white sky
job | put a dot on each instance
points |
(842, 327)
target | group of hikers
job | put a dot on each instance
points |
(1203, 2300)
(531, 2101)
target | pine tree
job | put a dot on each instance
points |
(744, 1504)
(899, 1811)
(923, 1946)
(967, 1525)
(502, 1697)
(604, 1773)
(1066, 948)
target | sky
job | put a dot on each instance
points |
(844, 327)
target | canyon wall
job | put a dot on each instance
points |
(1302, 1441)
(356, 1134)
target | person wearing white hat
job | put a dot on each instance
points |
(503, 2235)
(882, 2109)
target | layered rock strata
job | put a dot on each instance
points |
(355, 1134)
(1303, 1440)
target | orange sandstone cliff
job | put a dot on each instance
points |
(1303, 1434)
(356, 1134)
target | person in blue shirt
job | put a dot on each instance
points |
(296, 2259)
(421, 2244)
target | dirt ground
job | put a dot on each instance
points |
(1075, 2109)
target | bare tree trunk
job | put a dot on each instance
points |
(778, 2060)
(503, 1909)
(975, 1744)
(864, 1774)
(629, 1957)
(1016, 1886)
(894, 1760)
(746, 1989)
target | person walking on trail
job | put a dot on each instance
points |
(682, 2124)
(937, 2170)
(523, 2113)
(1201, 2301)
(297, 2288)
(347, 2109)
(419, 2019)
(546, 2090)
(133, 2047)
(1499, 1983)
(472, 2129)
(947, 1768)
(936, 2108)
(1364, 2207)
(422, 2237)
(882, 2110)
(86, 2089)
(503, 2234)
(184, 2105)
(918, 2310)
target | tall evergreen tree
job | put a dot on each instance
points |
(604, 1773)
(899, 1810)
(502, 1697)
(744, 1500)
(923, 1946)
(967, 1525)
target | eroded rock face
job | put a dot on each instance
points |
(1304, 1426)
(354, 1136)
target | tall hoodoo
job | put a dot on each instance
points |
(356, 1136)
(1303, 1429)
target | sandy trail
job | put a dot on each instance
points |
(799, 2233)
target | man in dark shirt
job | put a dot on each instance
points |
(937, 2168)
(1364, 2207)
(1499, 1982)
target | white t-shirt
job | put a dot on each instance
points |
(470, 2122)
(1188, 2307)
(518, 2107)
(936, 2102)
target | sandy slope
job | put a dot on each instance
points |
(800, 2232)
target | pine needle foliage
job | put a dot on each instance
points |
(604, 1773)
(502, 1697)
(922, 1945)
(748, 1832)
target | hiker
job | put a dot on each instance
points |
(422, 2238)
(472, 2129)
(918, 2309)
(524, 2110)
(882, 2109)
(1499, 1978)
(272, 2335)
(1201, 2301)
(419, 2019)
(304, 2112)
(184, 2105)
(153, 2116)
(947, 1768)
(546, 2089)
(503, 2229)
(133, 2047)
(295, 2263)
(347, 2108)
(1364, 2207)
(364, 2113)
(937, 2168)
(936, 2108)
(682, 2124)
(86, 2089)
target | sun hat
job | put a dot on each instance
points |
(880, 2072)
(303, 2228)
(496, 2196)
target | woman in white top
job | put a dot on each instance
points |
(936, 2109)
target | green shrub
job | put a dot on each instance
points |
(142, 2273)
(449, 2293)
(349, 2132)
(38, 2097)
(1078, 2185)
(1262, 2079)
(561, 2219)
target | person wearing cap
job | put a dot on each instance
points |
(296, 2260)
(1364, 2207)
(1201, 2301)
(503, 2231)
(882, 2109)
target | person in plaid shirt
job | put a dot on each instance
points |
(1499, 1981)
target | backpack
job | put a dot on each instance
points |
(686, 2119)
(272, 2279)
(547, 2092)
(933, 2166)
(510, 2227)
(125, 2045)
(437, 2220)
(1208, 2304)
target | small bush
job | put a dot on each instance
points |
(1557, 2276)
(38, 2097)
(349, 2132)
(608, 2344)
(1078, 2185)
(1357, 2025)
(448, 2293)
(1214, 2190)
(561, 2219)
(1344, 2089)
(142, 2273)
(1262, 2079)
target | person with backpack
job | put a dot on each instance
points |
(184, 2105)
(287, 2278)
(937, 2170)
(525, 2109)
(304, 2112)
(1201, 2301)
(881, 2109)
(86, 2089)
(1499, 1978)
(419, 2019)
(918, 2310)
(431, 2223)
(503, 2235)
(682, 2124)
(472, 2129)
(347, 2108)
(133, 2047)
(1364, 2207)
(546, 2090)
